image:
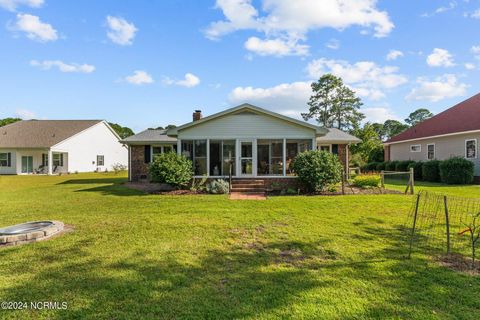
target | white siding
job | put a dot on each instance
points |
(84, 147)
(246, 125)
(13, 168)
(445, 147)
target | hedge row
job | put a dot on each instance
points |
(455, 170)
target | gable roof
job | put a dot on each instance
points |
(41, 133)
(149, 136)
(247, 107)
(462, 117)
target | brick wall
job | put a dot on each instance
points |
(138, 166)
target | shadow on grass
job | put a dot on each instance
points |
(248, 280)
(108, 186)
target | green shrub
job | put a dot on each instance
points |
(291, 191)
(381, 166)
(218, 186)
(367, 181)
(317, 170)
(172, 169)
(431, 171)
(390, 166)
(371, 166)
(402, 165)
(457, 170)
(417, 169)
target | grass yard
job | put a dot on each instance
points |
(133, 255)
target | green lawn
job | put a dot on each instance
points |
(133, 255)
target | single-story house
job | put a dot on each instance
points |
(58, 146)
(454, 132)
(259, 143)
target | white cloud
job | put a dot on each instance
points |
(25, 114)
(378, 114)
(394, 55)
(440, 58)
(286, 98)
(292, 20)
(121, 31)
(451, 5)
(276, 47)
(476, 14)
(62, 66)
(365, 77)
(476, 51)
(189, 81)
(139, 77)
(333, 44)
(446, 86)
(470, 66)
(35, 28)
(12, 5)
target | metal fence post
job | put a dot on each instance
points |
(414, 225)
(343, 183)
(445, 201)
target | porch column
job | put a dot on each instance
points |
(284, 157)
(50, 161)
(314, 144)
(179, 146)
(208, 157)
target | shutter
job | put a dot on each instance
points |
(9, 159)
(335, 148)
(148, 154)
(61, 159)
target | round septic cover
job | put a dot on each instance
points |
(25, 227)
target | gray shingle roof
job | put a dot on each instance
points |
(41, 133)
(338, 136)
(149, 136)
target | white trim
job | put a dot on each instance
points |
(415, 145)
(431, 137)
(434, 150)
(476, 149)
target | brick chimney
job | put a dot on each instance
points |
(197, 115)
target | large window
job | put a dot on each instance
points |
(430, 151)
(471, 149)
(196, 150)
(295, 147)
(157, 150)
(222, 154)
(58, 159)
(229, 157)
(270, 157)
(5, 159)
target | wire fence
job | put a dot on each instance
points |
(439, 224)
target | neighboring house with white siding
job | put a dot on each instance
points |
(59, 146)
(257, 142)
(454, 132)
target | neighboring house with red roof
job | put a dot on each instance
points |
(454, 132)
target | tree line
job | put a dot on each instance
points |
(334, 105)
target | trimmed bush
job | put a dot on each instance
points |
(171, 168)
(402, 165)
(367, 181)
(431, 171)
(457, 170)
(417, 169)
(317, 170)
(391, 165)
(381, 166)
(218, 186)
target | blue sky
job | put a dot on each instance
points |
(151, 63)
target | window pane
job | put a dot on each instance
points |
(200, 148)
(228, 154)
(187, 149)
(200, 166)
(246, 166)
(215, 158)
(246, 149)
(471, 147)
(263, 158)
(3, 159)
(156, 151)
(270, 157)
